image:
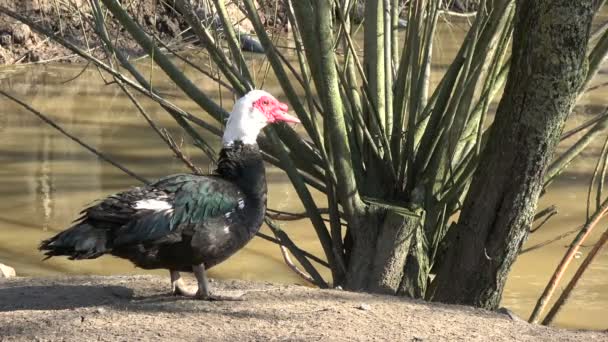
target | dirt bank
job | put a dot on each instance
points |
(72, 20)
(136, 308)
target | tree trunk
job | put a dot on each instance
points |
(379, 250)
(547, 69)
(392, 252)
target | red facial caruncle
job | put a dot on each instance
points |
(274, 110)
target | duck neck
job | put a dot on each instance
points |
(242, 164)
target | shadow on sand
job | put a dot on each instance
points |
(59, 297)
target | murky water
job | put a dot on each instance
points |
(46, 179)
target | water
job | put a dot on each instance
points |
(46, 179)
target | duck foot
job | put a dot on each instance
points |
(203, 287)
(178, 288)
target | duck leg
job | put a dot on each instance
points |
(203, 286)
(203, 283)
(178, 288)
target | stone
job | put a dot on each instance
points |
(364, 307)
(5, 39)
(4, 59)
(7, 272)
(21, 33)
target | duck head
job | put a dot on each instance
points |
(251, 113)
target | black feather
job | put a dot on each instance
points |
(199, 219)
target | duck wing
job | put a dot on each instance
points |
(157, 213)
(188, 201)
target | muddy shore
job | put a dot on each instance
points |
(138, 308)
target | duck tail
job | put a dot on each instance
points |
(81, 241)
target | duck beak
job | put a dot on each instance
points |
(280, 114)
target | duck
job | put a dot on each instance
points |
(185, 222)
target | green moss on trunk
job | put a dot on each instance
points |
(547, 70)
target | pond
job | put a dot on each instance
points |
(46, 179)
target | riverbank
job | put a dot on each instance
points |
(138, 308)
(73, 21)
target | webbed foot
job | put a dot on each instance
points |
(203, 292)
(178, 288)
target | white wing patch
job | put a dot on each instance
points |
(240, 205)
(153, 204)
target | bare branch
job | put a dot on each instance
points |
(561, 268)
(577, 276)
(162, 133)
(51, 123)
(286, 241)
(548, 212)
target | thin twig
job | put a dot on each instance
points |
(305, 253)
(288, 216)
(584, 126)
(594, 177)
(86, 55)
(597, 86)
(35, 47)
(77, 140)
(458, 14)
(294, 268)
(548, 212)
(78, 74)
(550, 241)
(286, 241)
(561, 268)
(560, 164)
(196, 67)
(162, 133)
(579, 273)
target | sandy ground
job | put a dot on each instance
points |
(138, 308)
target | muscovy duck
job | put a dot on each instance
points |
(185, 222)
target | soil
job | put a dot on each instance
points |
(138, 308)
(73, 21)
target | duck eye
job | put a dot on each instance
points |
(265, 102)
